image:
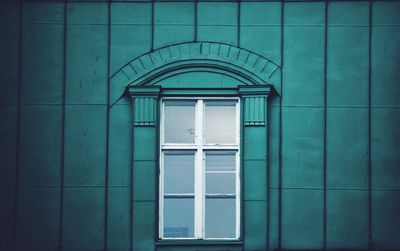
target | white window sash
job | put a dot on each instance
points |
(199, 147)
(199, 180)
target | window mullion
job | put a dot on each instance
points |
(161, 184)
(238, 209)
(199, 203)
(161, 195)
(238, 199)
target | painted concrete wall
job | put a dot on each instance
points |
(334, 139)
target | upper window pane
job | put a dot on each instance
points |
(179, 125)
(220, 122)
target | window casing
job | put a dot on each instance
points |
(199, 168)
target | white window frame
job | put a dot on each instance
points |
(199, 148)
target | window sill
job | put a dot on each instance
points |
(197, 242)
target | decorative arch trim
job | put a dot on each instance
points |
(150, 68)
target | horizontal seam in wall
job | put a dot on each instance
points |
(274, 106)
(255, 200)
(335, 106)
(149, 201)
(57, 104)
(270, 187)
(254, 159)
(333, 188)
(175, 24)
(385, 25)
(22, 186)
(243, 24)
(217, 25)
(128, 23)
(40, 22)
(88, 24)
(205, 25)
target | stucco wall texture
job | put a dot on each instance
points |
(333, 133)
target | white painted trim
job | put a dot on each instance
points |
(237, 195)
(161, 174)
(238, 185)
(198, 216)
(205, 147)
(201, 98)
(179, 194)
(161, 197)
(224, 195)
(199, 148)
(223, 172)
(162, 110)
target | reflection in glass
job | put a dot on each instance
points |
(220, 183)
(220, 161)
(220, 122)
(178, 173)
(179, 121)
(220, 218)
(178, 217)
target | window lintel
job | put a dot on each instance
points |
(242, 90)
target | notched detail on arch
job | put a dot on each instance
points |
(151, 67)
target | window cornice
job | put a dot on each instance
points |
(148, 69)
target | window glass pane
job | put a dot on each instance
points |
(220, 183)
(179, 172)
(220, 218)
(179, 125)
(179, 217)
(220, 161)
(220, 122)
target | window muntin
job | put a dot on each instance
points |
(209, 208)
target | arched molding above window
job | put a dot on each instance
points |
(150, 68)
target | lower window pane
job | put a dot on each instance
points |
(179, 217)
(220, 218)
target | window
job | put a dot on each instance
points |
(199, 168)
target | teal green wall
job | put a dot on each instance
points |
(333, 136)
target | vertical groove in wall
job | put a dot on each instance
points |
(280, 132)
(61, 220)
(107, 127)
(242, 178)
(267, 168)
(152, 25)
(195, 20)
(324, 118)
(157, 182)
(370, 244)
(17, 162)
(238, 22)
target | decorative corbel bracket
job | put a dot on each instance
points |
(144, 101)
(254, 103)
